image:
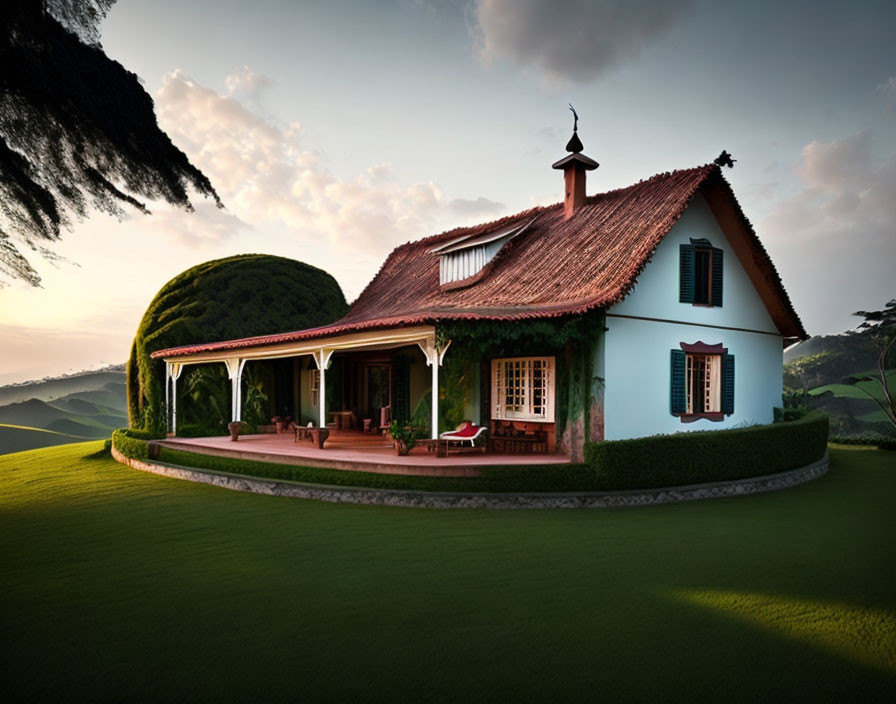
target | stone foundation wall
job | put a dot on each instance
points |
(427, 499)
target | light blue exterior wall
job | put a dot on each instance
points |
(636, 359)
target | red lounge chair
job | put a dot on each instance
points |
(465, 432)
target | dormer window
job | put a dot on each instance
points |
(461, 259)
(700, 267)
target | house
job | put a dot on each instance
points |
(644, 310)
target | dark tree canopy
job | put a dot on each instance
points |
(224, 299)
(77, 131)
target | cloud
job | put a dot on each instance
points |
(266, 175)
(843, 189)
(839, 231)
(888, 90)
(246, 84)
(572, 41)
(207, 225)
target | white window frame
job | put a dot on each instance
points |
(712, 387)
(526, 389)
(314, 386)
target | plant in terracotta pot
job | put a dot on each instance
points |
(235, 427)
(404, 436)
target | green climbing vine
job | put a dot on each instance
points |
(572, 340)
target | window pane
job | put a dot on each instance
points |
(522, 388)
(701, 276)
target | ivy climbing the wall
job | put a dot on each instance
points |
(571, 340)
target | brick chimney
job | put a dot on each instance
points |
(574, 166)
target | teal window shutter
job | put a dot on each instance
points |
(727, 384)
(686, 269)
(679, 399)
(716, 298)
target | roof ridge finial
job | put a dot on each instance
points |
(575, 144)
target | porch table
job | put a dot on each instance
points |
(343, 419)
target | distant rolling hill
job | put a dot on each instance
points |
(59, 387)
(15, 438)
(57, 411)
(80, 405)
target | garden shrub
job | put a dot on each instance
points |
(707, 456)
(132, 442)
(787, 414)
(223, 299)
(880, 441)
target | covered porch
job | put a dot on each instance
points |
(355, 381)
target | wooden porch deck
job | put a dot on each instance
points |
(357, 451)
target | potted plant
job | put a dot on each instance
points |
(403, 435)
(235, 427)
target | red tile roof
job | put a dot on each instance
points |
(556, 267)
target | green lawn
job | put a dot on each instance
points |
(126, 586)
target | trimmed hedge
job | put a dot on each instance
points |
(132, 443)
(879, 441)
(664, 460)
(706, 456)
(568, 477)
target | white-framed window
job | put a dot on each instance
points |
(523, 389)
(315, 387)
(704, 383)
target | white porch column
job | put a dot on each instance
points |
(322, 360)
(235, 372)
(435, 400)
(174, 372)
(167, 402)
(434, 358)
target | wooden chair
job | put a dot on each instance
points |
(385, 419)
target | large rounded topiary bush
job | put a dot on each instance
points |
(241, 296)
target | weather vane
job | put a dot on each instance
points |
(575, 120)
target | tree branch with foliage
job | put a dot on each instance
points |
(77, 131)
(881, 326)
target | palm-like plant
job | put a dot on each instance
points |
(255, 404)
(207, 389)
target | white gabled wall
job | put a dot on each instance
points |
(637, 369)
(656, 293)
(636, 364)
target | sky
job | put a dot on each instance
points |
(334, 131)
